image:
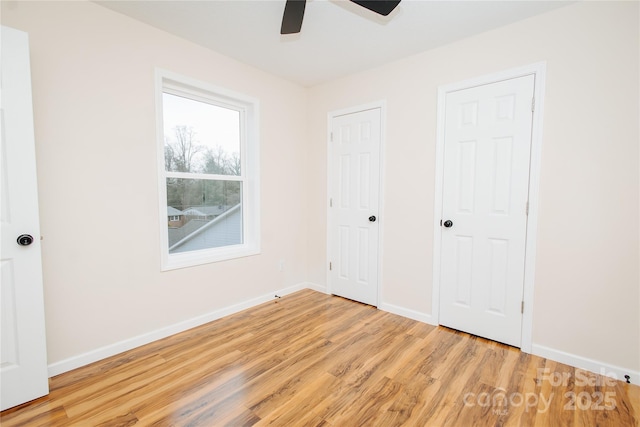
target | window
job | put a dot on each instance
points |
(208, 172)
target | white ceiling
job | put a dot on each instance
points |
(337, 38)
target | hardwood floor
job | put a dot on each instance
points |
(311, 359)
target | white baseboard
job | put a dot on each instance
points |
(400, 311)
(315, 287)
(405, 312)
(131, 343)
(590, 365)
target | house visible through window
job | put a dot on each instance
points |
(208, 172)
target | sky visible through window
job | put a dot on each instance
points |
(213, 126)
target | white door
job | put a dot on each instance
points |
(487, 149)
(354, 197)
(23, 366)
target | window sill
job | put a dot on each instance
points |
(192, 259)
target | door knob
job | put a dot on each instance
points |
(25, 239)
(372, 218)
(448, 223)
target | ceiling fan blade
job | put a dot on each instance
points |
(292, 17)
(381, 7)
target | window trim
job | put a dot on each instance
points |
(170, 82)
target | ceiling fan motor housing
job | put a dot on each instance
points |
(294, 12)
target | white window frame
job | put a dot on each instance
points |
(170, 82)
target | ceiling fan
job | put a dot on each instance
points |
(294, 12)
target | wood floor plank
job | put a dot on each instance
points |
(522, 392)
(278, 386)
(300, 404)
(368, 408)
(136, 387)
(632, 394)
(40, 412)
(413, 396)
(448, 404)
(310, 359)
(136, 396)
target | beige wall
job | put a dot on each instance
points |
(95, 136)
(93, 89)
(586, 278)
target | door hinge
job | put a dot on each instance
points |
(330, 266)
(331, 136)
(526, 209)
(522, 307)
(330, 202)
(533, 104)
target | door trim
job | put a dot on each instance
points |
(382, 105)
(538, 70)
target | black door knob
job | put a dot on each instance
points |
(372, 218)
(25, 239)
(448, 223)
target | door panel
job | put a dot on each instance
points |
(23, 367)
(355, 185)
(487, 147)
